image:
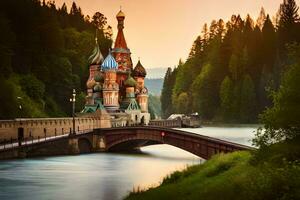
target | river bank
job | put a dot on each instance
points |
(230, 176)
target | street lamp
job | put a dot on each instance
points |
(73, 100)
(20, 105)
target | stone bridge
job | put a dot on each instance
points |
(123, 139)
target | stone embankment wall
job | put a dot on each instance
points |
(47, 127)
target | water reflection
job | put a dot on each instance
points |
(101, 176)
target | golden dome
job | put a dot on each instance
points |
(90, 84)
(120, 14)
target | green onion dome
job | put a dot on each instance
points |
(99, 77)
(97, 88)
(130, 82)
(139, 70)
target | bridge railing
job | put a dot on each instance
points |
(15, 143)
(170, 123)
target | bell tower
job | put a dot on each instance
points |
(110, 86)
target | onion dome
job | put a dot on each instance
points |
(120, 14)
(96, 58)
(130, 82)
(97, 88)
(139, 70)
(99, 77)
(90, 84)
(109, 63)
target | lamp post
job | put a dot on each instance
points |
(20, 130)
(73, 100)
(20, 106)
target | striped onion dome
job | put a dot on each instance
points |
(109, 63)
(96, 58)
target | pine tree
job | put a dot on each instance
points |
(99, 21)
(226, 97)
(282, 120)
(261, 18)
(182, 103)
(196, 48)
(166, 94)
(205, 34)
(248, 101)
(288, 27)
(205, 100)
(234, 67)
(269, 44)
(288, 14)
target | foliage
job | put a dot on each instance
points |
(227, 99)
(203, 91)
(248, 100)
(154, 106)
(169, 80)
(33, 87)
(43, 55)
(182, 103)
(253, 56)
(230, 176)
(282, 120)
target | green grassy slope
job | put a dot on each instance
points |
(230, 176)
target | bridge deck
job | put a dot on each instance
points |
(203, 146)
(162, 129)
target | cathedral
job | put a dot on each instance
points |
(116, 87)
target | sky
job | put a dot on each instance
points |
(161, 32)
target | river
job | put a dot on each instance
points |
(103, 175)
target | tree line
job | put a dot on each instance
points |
(233, 66)
(43, 56)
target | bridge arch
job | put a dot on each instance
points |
(132, 144)
(135, 137)
(84, 145)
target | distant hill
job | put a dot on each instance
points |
(154, 85)
(153, 73)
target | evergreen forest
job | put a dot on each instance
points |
(43, 56)
(235, 67)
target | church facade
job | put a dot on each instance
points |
(114, 86)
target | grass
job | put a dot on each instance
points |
(230, 176)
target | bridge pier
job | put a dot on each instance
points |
(98, 143)
(73, 147)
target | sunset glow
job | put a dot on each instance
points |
(162, 32)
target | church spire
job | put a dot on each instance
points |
(120, 51)
(120, 40)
